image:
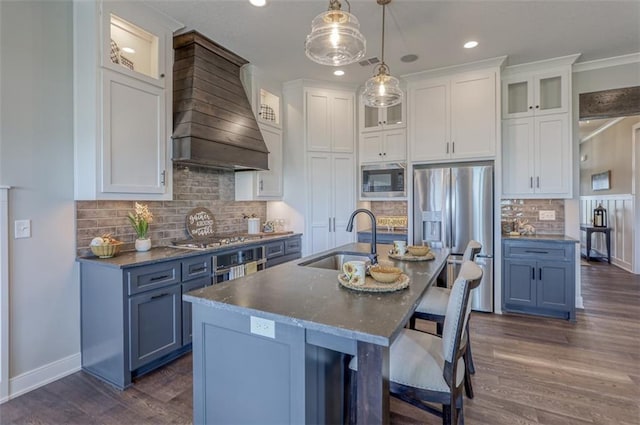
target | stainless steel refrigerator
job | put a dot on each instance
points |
(453, 204)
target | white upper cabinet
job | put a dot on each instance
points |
(383, 146)
(373, 119)
(329, 118)
(123, 59)
(534, 94)
(453, 117)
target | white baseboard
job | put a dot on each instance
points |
(43, 375)
(579, 302)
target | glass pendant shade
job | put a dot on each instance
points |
(382, 90)
(335, 39)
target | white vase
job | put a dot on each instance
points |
(143, 244)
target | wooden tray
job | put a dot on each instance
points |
(409, 257)
(372, 285)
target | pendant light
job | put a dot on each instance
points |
(335, 37)
(382, 90)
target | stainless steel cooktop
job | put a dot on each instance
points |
(214, 242)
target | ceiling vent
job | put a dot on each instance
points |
(368, 62)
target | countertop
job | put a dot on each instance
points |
(312, 297)
(542, 238)
(385, 231)
(164, 253)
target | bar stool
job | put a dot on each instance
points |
(433, 306)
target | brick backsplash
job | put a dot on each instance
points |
(528, 209)
(192, 187)
(393, 208)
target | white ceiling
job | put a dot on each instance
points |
(272, 37)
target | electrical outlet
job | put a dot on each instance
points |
(264, 327)
(545, 215)
(22, 229)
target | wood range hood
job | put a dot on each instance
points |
(213, 123)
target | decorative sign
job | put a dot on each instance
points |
(601, 181)
(200, 223)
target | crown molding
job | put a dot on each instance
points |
(607, 62)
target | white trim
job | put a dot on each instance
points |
(622, 196)
(602, 128)
(497, 62)
(606, 62)
(43, 375)
(635, 186)
(545, 64)
(4, 293)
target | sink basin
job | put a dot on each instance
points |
(334, 260)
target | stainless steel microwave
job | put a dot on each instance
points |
(386, 180)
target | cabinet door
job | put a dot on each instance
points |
(430, 121)
(155, 325)
(517, 156)
(134, 142)
(554, 278)
(344, 191)
(370, 118)
(517, 97)
(342, 123)
(473, 115)
(552, 162)
(317, 121)
(186, 307)
(520, 282)
(270, 182)
(395, 145)
(393, 116)
(320, 202)
(371, 147)
(551, 92)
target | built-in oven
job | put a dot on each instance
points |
(237, 263)
(386, 180)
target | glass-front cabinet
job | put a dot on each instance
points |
(372, 119)
(535, 94)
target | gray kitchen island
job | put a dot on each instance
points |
(271, 347)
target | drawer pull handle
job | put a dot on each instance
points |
(533, 273)
(159, 295)
(536, 252)
(198, 270)
(540, 273)
(156, 278)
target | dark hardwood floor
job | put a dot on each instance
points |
(529, 371)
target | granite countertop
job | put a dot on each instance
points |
(312, 297)
(164, 253)
(543, 238)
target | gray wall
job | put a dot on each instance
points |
(609, 150)
(37, 161)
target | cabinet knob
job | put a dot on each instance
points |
(384, 122)
(384, 154)
(161, 75)
(530, 107)
(537, 106)
(379, 153)
(379, 122)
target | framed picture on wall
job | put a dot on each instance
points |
(601, 181)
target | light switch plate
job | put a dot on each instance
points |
(544, 215)
(264, 327)
(22, 229)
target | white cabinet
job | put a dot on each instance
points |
(123, 62)
(332, 199)
(329, 122)
(265, 97)
(263, 185)
(383, 146)
(453, 117)
(536, 157)
(373, 119)
(535, 94)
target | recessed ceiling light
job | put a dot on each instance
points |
(470, 44)
(128, 50)
(338, 73)
(409, 58)
(258, 3)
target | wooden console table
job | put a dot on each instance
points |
(590, 230)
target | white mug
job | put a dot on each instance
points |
(355, 272)
(400, 247)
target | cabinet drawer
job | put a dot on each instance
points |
(292, 245)
(196, 267)
(145, 278)
(274, 249)
(556, 251)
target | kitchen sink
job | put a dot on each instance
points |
(334, 260)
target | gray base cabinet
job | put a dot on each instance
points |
(279, 252)
(539, 278)
(133, 319)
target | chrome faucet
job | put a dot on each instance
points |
(374, 255)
